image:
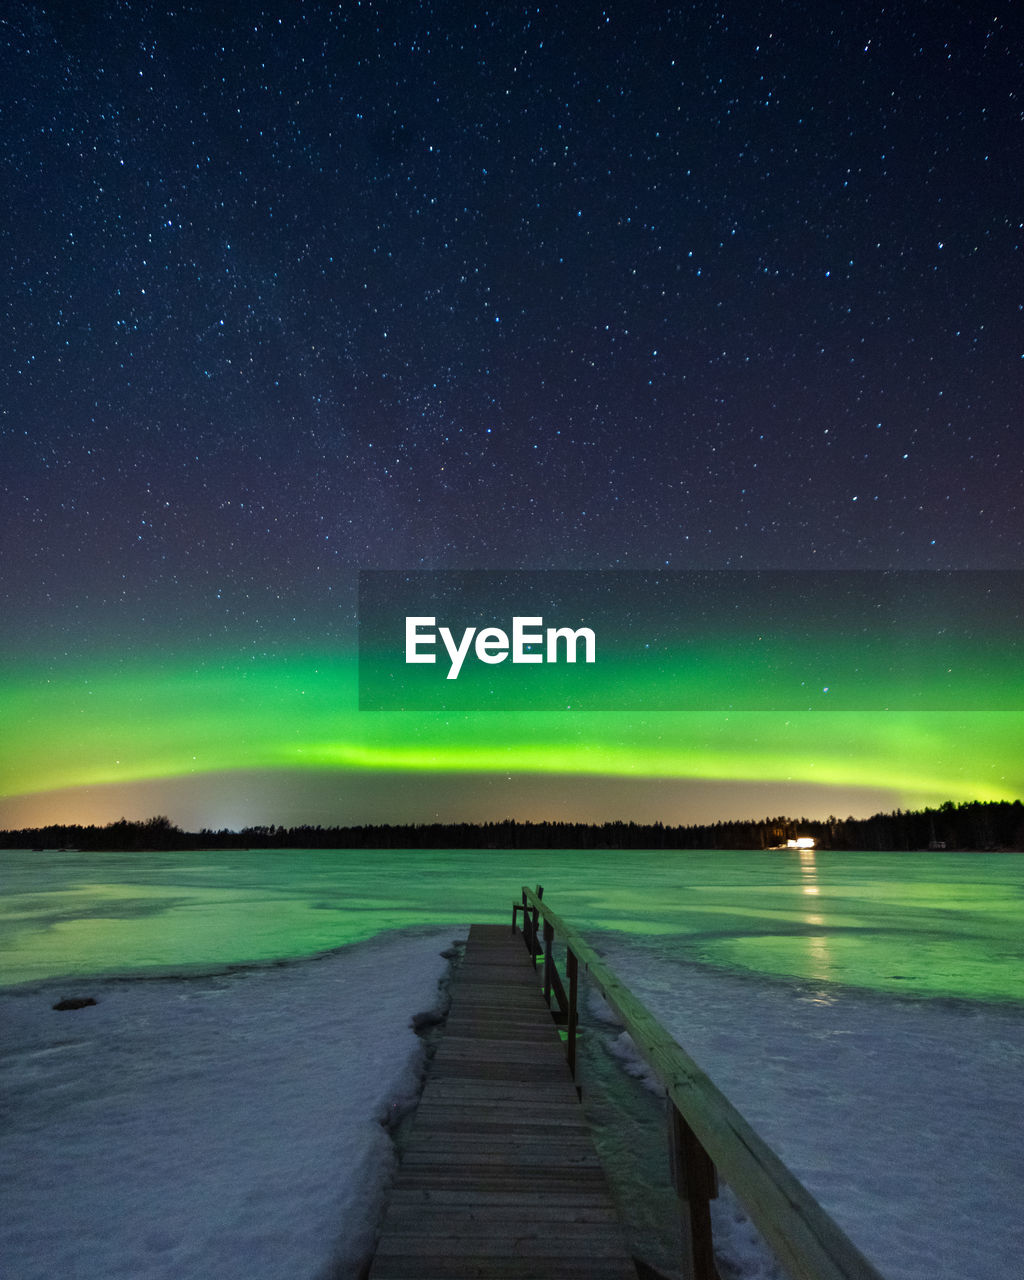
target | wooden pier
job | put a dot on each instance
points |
(500, 1177)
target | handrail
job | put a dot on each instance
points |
(805, 1239)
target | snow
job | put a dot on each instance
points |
(901, 1117)
(231, 1125)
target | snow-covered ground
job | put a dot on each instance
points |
(230, 1125)
(225, 1126)
(901, 1117)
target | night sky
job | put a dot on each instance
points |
(296, 291)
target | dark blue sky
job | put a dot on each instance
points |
(300, 289)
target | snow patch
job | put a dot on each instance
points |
(234, 1125)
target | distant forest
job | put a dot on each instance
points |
(971, 826)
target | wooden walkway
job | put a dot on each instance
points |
(500, 1177)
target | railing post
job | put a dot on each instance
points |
(549, 959)
(573, 970)
(527, 937)
(696, 1183)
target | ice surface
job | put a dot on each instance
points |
(221, 1126)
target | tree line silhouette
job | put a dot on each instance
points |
(970, 826)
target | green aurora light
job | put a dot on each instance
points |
(122, 722)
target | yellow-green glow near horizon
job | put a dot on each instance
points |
(153, 719)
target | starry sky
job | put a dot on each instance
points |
(301, 290)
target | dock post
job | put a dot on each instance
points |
(527, 935)
(696, 1183)
(573, 969)
(549, 958)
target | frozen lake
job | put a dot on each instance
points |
(866, 1014)
(923, 924)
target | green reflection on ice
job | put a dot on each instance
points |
(921, 924)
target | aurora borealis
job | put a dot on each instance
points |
(304, 291)
(264, 730)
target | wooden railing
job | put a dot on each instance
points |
(707, 1135)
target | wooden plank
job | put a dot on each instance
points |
(487, 1050)
(496, 1217)
(482, 1092)
(509, 1155)
(532, 1201)
(488, 1268)
(582, 1240)
(497, 1071)
(500, 1177)
(490, 1120)
(507, 1136)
